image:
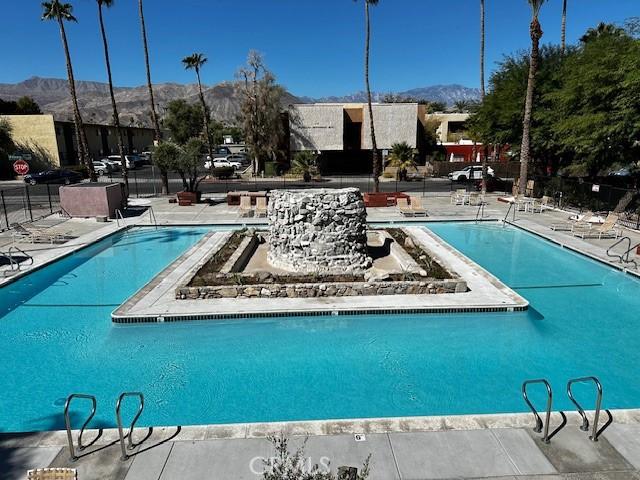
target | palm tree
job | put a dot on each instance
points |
(195, 62)
(535, 31)
(61, 12)
(154, 115)
(563, 32)
(402, 157)
(376, 154)
(114, 106)
(482, 94)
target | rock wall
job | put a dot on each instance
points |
(318, 231)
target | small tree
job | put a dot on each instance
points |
(260, 110)
(304, 163)
(402, 157)
(165, 157)
(188, 164)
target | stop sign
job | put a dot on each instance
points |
(21, 167)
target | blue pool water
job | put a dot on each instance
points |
(56, 337)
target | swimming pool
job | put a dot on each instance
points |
(56, 337)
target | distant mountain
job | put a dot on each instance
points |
(448, 94)
(223, 99)
(133, 102)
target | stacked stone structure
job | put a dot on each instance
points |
(318, 231)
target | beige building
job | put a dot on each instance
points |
(341, 132)
(55, 141)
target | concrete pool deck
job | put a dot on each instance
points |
(484, 446)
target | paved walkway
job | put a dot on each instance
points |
(480, 453)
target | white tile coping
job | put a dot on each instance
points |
(323, 427)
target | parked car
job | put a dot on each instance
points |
(146, 158)
(115, 166)
(241, 158)
(53, 176)
(133, 161)
(469, 173)
(102, 168)
(495, 184)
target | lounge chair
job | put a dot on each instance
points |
(52, 474)
(580, 222)
(261, 206)
(245, 206)
(23, 232)
(607, 229)
(404, 208)
(417, 208)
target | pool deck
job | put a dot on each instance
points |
(501, 446)
(470, 447)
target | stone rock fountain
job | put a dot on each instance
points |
(318, 231)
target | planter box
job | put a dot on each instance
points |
(188, 198)
(383, 199)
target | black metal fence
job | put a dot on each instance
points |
(597, 197)
(27, 203)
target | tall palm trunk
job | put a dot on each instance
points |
(485, 152)
(154, 116)
(563, 32)
(374, 145)
(204, 115)
(81, 137)
(525, 151)
(116, 118)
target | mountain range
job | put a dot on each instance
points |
(223, 99)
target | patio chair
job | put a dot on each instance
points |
(539, 206)
(52, 474)
(404, 208)
(475, 199)
(459, 196)
(22, 232)
(261, 206)
(581, 221)
(528, 191)
(417, 208)
(607, 229)
(245, 206)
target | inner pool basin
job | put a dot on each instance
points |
(57, 338)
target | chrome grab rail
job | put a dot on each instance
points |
(119, 217)
(546, 436)
(620, 257)
(595, 433)
(22, 252)
(152, 217)
(67, 422)
(121, 434)
(511, 205)
(480, 208)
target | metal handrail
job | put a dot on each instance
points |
(595, 433)
(546, 436)
(22, 252)
(620, 257)
(119, 217)
(67, 422)
(504, 220)
(480, 208)
(121, 434)
(152, 217)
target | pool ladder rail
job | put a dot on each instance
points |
(14, 262)
(624, 256)
(540, 425)
(124, 446)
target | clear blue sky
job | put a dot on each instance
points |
(313, 47)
